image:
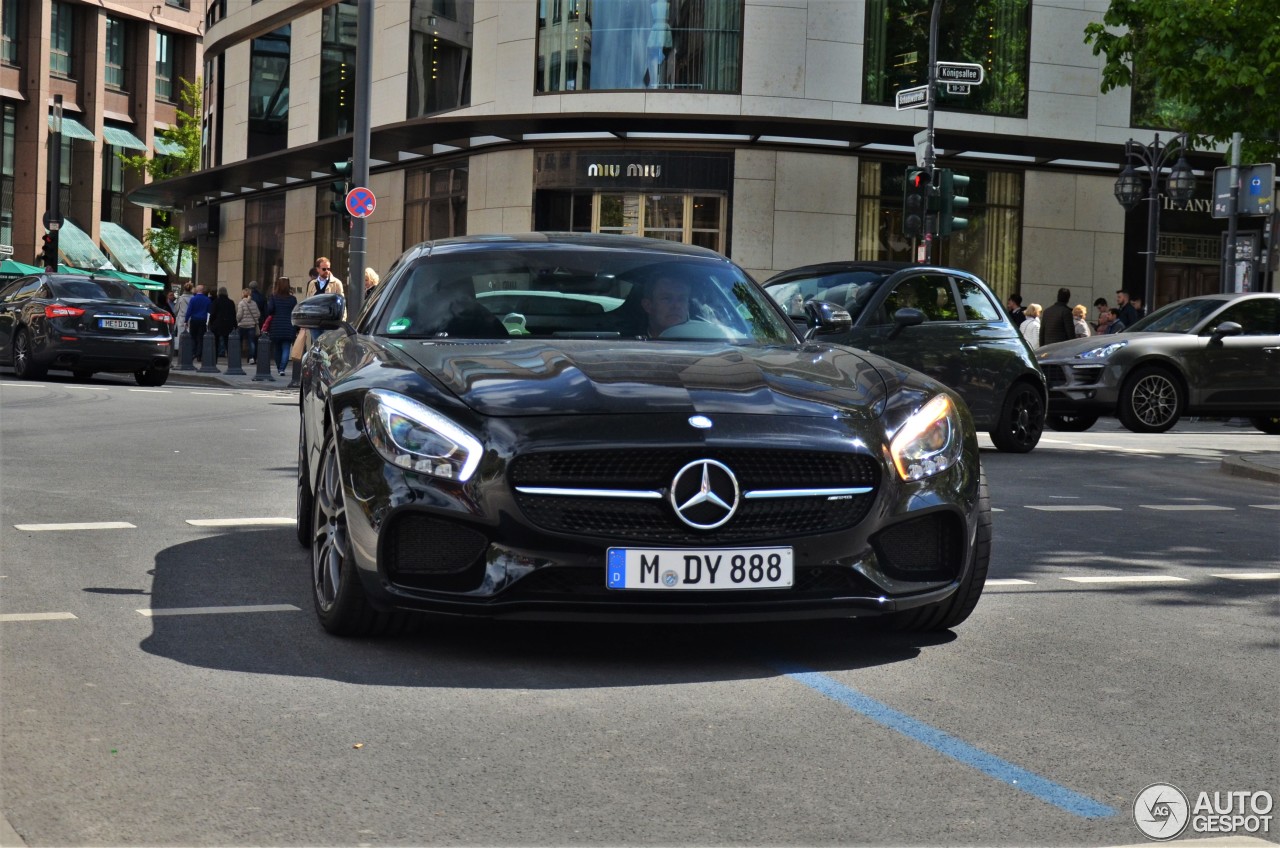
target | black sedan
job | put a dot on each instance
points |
(941, 321)
(575, 426)
(83, 324)
(1217, 355)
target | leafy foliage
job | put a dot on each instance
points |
(1207, 68)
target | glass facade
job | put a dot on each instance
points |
(993, 33)
(637, 44)
(264, 241)
(113, 203)
(332, 236)
(989, 247)
(61, 37)
(8, 126)
(10, 26)
(338, 70)
(435, 203)
(439, 55)
(269, 93)
(114, 60)
(164, 66)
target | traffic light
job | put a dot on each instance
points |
(340, 187)
(915, 202)
(49, 251)
(953, 187)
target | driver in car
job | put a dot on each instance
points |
(666, 302)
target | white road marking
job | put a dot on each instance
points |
(1009, 582)
(1075, 508)
(152, 613)
(1092, 445)
(89, 388)
(88, 525)
(1250, 575)
(1131, 578)
(211, 394)
(35, 616)
(153, 391)
(23, 386)
(1188, 507)
(241, 522)
(1265, 506)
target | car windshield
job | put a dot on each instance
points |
(94, 289)
(849, 289)
(577, 293)
(1181, 317)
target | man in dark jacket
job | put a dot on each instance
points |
(222, 320)
(1128, 314)
(1014, 307)
(1057, 323)
(198, 319)
(256, 295)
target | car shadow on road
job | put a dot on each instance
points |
(255, 567)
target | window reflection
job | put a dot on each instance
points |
(269, 93)
(439, 55)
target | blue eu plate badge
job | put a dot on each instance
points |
(617, 568)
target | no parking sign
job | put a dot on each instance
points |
(361, 202)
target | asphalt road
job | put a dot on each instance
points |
(165, 683)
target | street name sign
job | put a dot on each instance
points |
(912, 98)
(969, 73)
(956, 89)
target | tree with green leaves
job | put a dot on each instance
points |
(165, 241)
(1210, 68)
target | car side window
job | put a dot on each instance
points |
(27, 290)
(977, 305)
(1258, 316)
(8, 291)
(930, 293)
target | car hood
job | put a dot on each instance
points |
(1074, 347)
(542, 377)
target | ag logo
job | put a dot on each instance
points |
(1161, 811)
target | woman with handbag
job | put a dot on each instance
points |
(280, 314)
(247, 318)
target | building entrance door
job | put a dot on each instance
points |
(1175, 281)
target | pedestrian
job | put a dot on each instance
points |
(198, 321)
(171, 303)
(1016, 313)
(281, 331)
(1138, 308)
(1080, 316)
(370, 281)
(1056, 322)
(1105, 319)
(248, 318)
(222, 320)
(1100, 304)
(1030, 327)
(324, 282)
(1128, 315)
(180, 315)
(260, 299)
(1117, 325)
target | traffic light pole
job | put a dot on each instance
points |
(360, 167)
(53, 198)
(934, 17)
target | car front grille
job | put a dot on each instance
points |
(924, 548)
(429, 553)
(621, 520)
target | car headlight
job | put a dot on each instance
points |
(929, 442)
(411, 435)
(1103, 352)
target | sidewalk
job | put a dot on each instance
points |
(1256, 466)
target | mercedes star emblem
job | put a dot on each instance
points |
(704, 494)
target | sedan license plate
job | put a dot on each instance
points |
(117, 324)
(717, 568)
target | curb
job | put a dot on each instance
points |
(1262, 466)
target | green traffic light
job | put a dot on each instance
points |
(953, 187)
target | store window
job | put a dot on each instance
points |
(439, 55)
(264, 241)
(114, 60)
(989, 247)
(61, 36)
(638, 44)
(435, 203)
(993, 33)
(269, 93)
(338, 70)
(8, 129)
(112, 184)
(164, 66)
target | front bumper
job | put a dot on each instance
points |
(1082, 387)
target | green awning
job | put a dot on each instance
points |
(14, 268)
(164, 147)
(127, 253)
(73, 128)
(132, 279)
(117, 137)
(77, 249)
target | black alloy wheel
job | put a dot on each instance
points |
(151, 376)
(1021, 421)
(24, 366)
(1151, 400)
(949, 613)
(305, 499)
(1071, 423)
(1269, 424)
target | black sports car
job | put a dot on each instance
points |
(83, 324)
(562, 426)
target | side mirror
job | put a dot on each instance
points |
(320, 312)
(1226, 328)
(904, 318)
(828, 318)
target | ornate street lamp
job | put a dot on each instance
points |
(1180, 183)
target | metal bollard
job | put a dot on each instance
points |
(233, 353)
(295, 380)
(264, 360)
(209, 365)
(186, 356)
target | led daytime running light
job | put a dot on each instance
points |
(382, 407)
(915, 463)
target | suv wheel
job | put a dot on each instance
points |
(1021, 421)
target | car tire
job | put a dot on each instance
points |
(342, 605)
(1269, 424)
(151, 376)
(24, 366)
(1021, 421)
(305, 498)
(1151, 400)
(1071, 423)
(947, 614)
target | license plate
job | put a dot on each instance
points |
(717, 568)
(117, 324)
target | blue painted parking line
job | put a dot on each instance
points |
(944, 743)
